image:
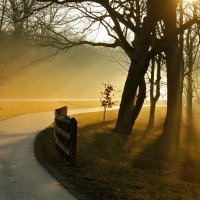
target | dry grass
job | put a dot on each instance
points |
(114, 166)
(11, 109)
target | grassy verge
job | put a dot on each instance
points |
(112, 166)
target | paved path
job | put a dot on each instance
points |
(21, 176)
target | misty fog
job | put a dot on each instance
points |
(41, 73)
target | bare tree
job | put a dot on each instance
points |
(130, 24)
(18, 29)
(3, 21)
(191, 53)
(155, 85)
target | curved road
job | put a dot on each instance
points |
(21, 176)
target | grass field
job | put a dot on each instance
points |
(11, 109)
(130, 167)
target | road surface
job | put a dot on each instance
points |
(21, 176)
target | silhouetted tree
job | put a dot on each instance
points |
(191, 44)
(130, 25)
(155, 84)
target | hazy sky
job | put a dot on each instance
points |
(77, 74)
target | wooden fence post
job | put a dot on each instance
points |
(73, 141)
(65, 134)
(62, 111)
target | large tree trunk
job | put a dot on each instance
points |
(174, 96)
(174, 73)
(131, 104)
(190, 58)
(152, 102)
(192, 52)
(151, 122)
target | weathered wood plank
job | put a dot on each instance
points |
(62, 146)
(61, 111)
(62, 132)
(73, 142)
(65, 119)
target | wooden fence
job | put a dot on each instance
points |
(65, 133)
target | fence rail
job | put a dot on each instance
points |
(65, 134)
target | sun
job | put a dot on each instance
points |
(191, 1)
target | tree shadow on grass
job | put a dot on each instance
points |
(191, 152)
(100, 143)
(172, 154)
(160, 156)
